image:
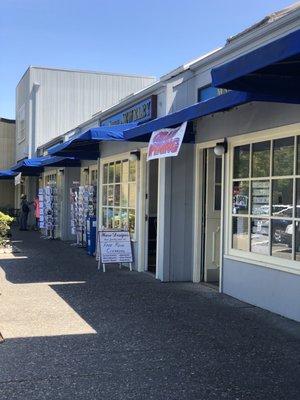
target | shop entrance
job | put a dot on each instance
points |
(211, 217)
(151, 215)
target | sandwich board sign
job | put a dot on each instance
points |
(114, 247)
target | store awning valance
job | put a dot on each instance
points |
(29, 166)
(35, 165)
(220, 103)
(56, 161)
(272, 68)
(86, 145)
(7, 174)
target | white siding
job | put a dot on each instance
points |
(22, 98)
(185, 85)
(64, 99)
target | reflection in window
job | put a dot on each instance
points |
(94, 177)
(131, 197)
(125, 171)
(104, 195)
(218, 197)
(218, 169)
(283, 157)
(104, 216)
(273, 217)
(282, 198)
(298, 197)
(297, 240)
(218, 183)
(131, 220)
(110, 195)
(119, 195)
(117, 218)
(240, 238)
(260, 197)
(282, 234)
(111, 171)
(124, 195)
(240, 197)
(241, 162)
(132, 171)
(260, 236)
(110, 218)
(105, 173)
(298, 156)
(124, 218)
(261, 159)
(118, 172)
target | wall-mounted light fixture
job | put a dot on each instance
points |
(221, 148)
(135, 155)
(61, 171)
(86, 170)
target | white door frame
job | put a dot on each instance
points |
(142, 211)
(198, 201)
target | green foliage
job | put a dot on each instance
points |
(5, 222)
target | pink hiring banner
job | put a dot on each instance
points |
(166, 142)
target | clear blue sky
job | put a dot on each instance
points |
(131, 36)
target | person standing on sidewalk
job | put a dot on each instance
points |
(36, 205)
(24, 208)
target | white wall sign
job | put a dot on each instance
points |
(115, 246)
(166, 142)
(18, 179)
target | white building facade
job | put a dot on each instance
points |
(228, 219)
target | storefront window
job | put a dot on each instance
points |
(297, 240)
(240, 236)
(282, 234)
(261, 159)
(119, 195)
(94, 177)
(241, 162)
(240, 197)
(260, 236)
(282, 198)
(283, 157)
(260, 197)
(268, 174)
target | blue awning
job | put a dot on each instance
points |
(29, 166)
(7, 174)
(56, 161)
(272, 68)
(85, 145)
(35, 165)
(220, 103)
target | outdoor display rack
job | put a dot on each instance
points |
(49, 210)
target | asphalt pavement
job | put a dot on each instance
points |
(72, 332)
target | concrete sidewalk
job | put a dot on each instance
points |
(72, 332)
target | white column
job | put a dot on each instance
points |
(163, 268)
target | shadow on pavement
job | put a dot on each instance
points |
(139, 339)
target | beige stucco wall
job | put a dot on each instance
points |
(7, 159)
